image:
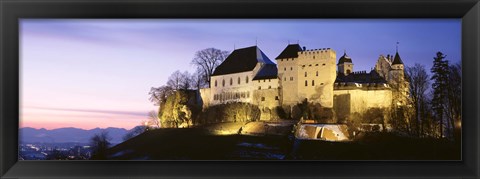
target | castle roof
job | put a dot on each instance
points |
(291, 51)
(397, 59)
(242, 60)
(344, 59)
(360, 77)
(268, 71)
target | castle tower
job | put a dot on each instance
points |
(306, 74)
(397, 80)
(397, 70)
(345, 65)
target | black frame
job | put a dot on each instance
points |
(12, 10)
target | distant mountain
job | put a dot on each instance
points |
(69, 134)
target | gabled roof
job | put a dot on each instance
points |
(397, 59)
(291, 51)
(344, 59)
(268, 71)
(242, 60)
(360, 77)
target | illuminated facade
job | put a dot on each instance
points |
(248, 75)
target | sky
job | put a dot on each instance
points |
(90, 73)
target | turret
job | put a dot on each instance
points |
(345, 64)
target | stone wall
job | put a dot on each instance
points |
(360, 100)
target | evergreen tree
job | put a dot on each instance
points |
(440, 84)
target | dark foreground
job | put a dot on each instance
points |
(198, 144)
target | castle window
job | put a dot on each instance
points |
(238, 80)
(291, 78)
(276, 98)
(215, 83)
(287, 59)
(317, 73)
(268, 80)
(303, 65)
(269, 87)
(305, 74)
(263, 98)
(306, 83)
(223, 82)
(323, 64)
(263, 80)
(285, 69)
(310, 65)
(313, 82)
(246, 80)
(291, 68)
(231, 81)
(259, 87)
(321, 83)
(314, 57)
(316, 64)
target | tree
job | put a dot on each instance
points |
(186, 81)
(159, 95)
(454, 98)
(198, 79)
(419, 83)
(175, 80)
(99, 144)
(153, 120)
(207, 60)
(440, 79)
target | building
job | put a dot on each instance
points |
(248, 75)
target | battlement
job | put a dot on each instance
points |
(316, 51)
(359, 72)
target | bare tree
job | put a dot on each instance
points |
(100, 143)
(186, 81)
(207, 60)
(153, 120)
(159, 95)
(454, 99)
(175, 80)
(419, 83)
(198, 79)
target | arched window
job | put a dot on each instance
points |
(223, 82)
(313, 82)
(215, 83)
(238, 80)
(306, 83)
(305, 74)
(246, 80)
(348, 72)
(231, 81)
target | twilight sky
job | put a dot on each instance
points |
(97, 73)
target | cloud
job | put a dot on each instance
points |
(114, 112)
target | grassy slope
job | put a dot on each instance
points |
(197, 143)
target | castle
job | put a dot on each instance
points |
(248, 75)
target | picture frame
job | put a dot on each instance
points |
(11, 11)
